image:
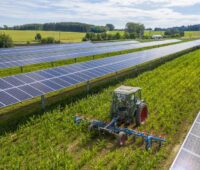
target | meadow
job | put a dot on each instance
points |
(147, 32)
(192, 34)
(21, 37)
(53, 141)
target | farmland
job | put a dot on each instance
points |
(192, 34)
(147, 33)
(21, 37)
(52, 141)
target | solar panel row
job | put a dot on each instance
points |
(14, 89)
(59, 47)
(8, 62)
(188, 156)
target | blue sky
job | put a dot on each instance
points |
(152, 13)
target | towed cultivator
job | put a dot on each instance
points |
(121, 133)
(127, 108)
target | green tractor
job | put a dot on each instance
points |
(128, 107)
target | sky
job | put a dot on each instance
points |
(152, 13)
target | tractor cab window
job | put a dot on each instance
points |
(137, 95)
(132, 97)
(122, 101)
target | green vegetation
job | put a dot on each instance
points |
(60, 26)
(38, 37)
(52, 141)
(21, 37)
(48, 40)
(103, 36)
(5, 41)
(29, 68)
(192, 34)
(150, 33)
(110, 27)
(135, 30)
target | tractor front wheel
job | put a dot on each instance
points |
(141, 114)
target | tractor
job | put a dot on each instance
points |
(127, 108)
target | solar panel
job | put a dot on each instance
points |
(41, 82)
(12, 59)
(42, 49)
(188, 156)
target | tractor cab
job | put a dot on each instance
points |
(125, 106)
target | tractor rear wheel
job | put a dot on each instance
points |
(141, 114)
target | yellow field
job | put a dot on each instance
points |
(20, 37)
(192, 34)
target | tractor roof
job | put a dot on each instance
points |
(127, 89)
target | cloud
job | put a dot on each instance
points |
(152, 13)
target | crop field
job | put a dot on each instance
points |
(53, 141)
(21, 37)
(192, 34)
(147, 33)
(150, 33)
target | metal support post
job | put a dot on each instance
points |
(43, 102)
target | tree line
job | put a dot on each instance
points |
(181, 28)
(63, 26)
(132, 31)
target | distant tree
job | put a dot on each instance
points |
(126, 35)
(104, 36)
(48, 40)
(110, 27)
(5, 27)
(5, 41)
(136, 28)
(38, 37)
(133, 35)
(117, 36)
(174, 33)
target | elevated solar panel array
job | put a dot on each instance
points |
(17, 59)
(14, 89)
(42, 49)
(188, 157)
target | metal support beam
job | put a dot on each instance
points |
(88, 86)
(43, 102)
(21, 69)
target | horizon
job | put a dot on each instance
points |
(152, 13)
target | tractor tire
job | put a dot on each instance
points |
(141, 114)
(122, 138)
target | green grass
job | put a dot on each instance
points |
(52, 141)
(29, 68)
(149, 33)
(21, 37)
(192, 34)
